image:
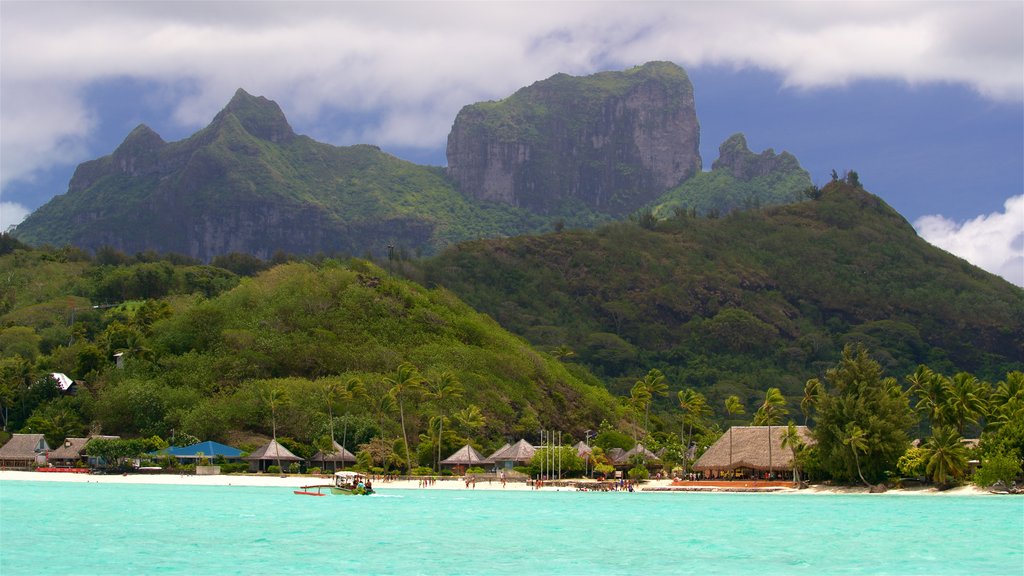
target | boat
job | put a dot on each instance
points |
(345, 484)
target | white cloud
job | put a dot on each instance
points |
(413, 65)
(11, 214)
(993, 242)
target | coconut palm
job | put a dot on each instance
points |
(443, 390)
(407, 378)
(275, 397)
(931, 390)
(695, 409)
(733, 407)
(771, 412)
(639, 399)
(654, 384)
(562, 353)
(335, 390)
(1007, 401)
(946, 454)
(813, 391)
(469, 419)
(856, 438)
(965, 402)
(791, 439)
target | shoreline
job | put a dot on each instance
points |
(454, 483)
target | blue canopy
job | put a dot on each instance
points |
(210, 449)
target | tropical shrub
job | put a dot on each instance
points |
(994, 468)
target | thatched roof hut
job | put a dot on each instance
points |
(337, 456)
(24, 451)
(623, 458)
(73, 450)
(582, 450)
(748, 447)
(517, 454)
(465, 456)
(268, 455)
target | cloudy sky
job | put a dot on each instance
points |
(924, 100)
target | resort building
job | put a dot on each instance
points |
(338, 458)
(622, 459)
(750, 451)
(24, 452)
(208, 450)
(271, 454)
(72, 452)
(463, 458)
(507, 457)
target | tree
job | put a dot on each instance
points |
(563, 353)
(791, 439)
(274, 397)
(947, 456)
(639, 399)
(813, 391)
(931, 391)
(442, 390)
(858, 396)
(335, 390)
(654, 385)
(407, 378)
(965, 400)
(733, 407)
(771, 412)
(695, 410)
(856, 439)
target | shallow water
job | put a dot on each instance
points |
(73, 528)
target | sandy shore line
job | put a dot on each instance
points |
(265, 480)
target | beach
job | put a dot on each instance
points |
(447, 483)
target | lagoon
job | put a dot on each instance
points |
(82, 528)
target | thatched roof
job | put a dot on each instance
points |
(73, 448)
(750, 449)
(272, 451)
(339, 454)
(521, 451)
(490, 459)
(465, 456)
(24, 447)
(622, 458)
(582, 450)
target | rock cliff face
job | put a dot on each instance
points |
(609, 142)
(736, 157)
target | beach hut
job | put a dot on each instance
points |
(582, 450)
(335, 457)
(24, 451)
(72, 451)
(209, 450)
(518, 454)
(749, 449)
(463, 458)
(270, 454)
(623, 458)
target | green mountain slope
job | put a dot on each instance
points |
(247, 183)
(753, 300)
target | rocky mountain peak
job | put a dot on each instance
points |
(259, 116)
(736, 157)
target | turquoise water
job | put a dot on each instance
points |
(71, 528)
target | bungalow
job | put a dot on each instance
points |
(623, 459)
(72, 451)
(24, 451)
(464, 457)
(209, 450)
(337, 456)
(507, 457)
(750, 449)
(270, 454)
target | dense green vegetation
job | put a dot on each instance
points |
(739, 304)
(299, 351)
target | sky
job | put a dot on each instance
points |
(925, 100)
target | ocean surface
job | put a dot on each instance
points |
(74, 528)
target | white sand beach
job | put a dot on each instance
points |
(289, 481)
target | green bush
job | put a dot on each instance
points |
(295, 468)
(995, 468)
(314, 471)
(639, 473)
(422, 471)
(234, 468)
(273, 469)
(475, 470)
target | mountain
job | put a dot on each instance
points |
(248, 183)
(566, 151)
(608, 143)
(738, 180)
(737, 304)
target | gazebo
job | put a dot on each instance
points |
(622, 459)
(749, 448)
(518, 454)
(464, 457)
(269, 455)
(336, 456)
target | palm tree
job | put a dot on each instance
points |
(791, 439)
(469, 419)
(563, 353)
(654, 385)
(813, 391)
(772, 410)
(965, 401)
(1007, 401)
(407, 378)
(639, 399)
(733, 407)
(695, 409)
(274, 398)
(931, 390)
(856, 438)
(947, 456)
(442, 390)
(335, 390)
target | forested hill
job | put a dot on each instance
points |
(753, 300)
